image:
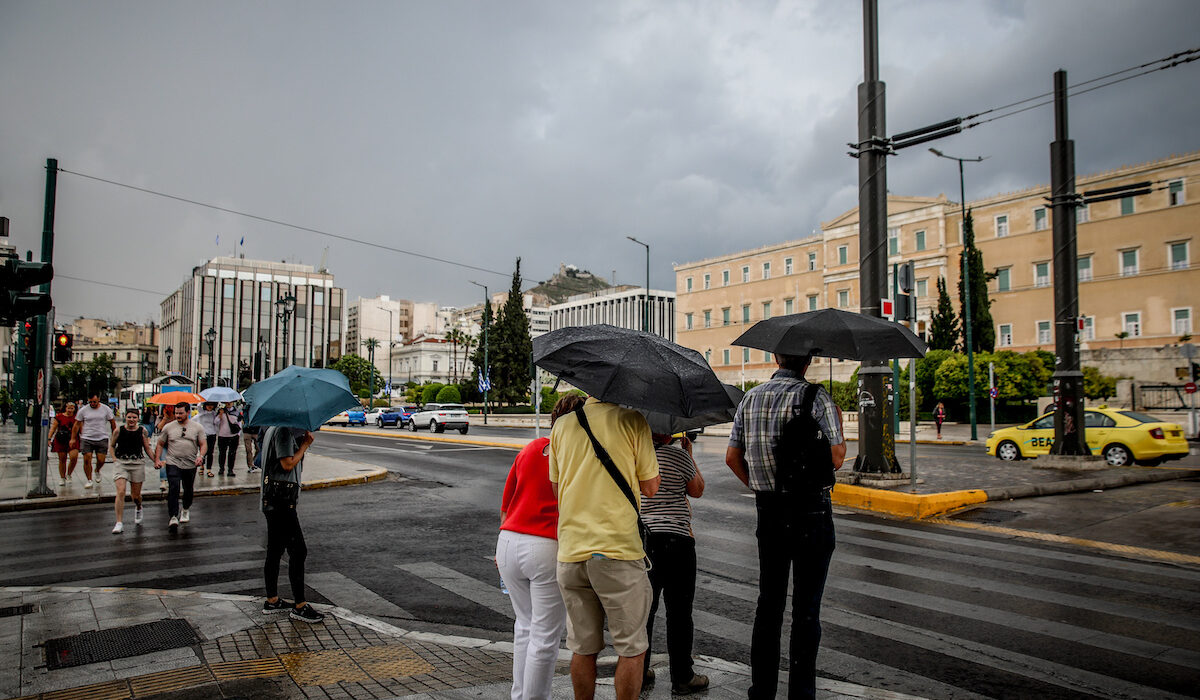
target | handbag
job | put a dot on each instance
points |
(606, 460)
(276, 492)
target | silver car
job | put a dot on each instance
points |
(439, 416)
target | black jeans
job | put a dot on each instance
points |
(795, 535)
(227, 447)
(673, 575)
(284, 534)
(208, 456)
(177, 477)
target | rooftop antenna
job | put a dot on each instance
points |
(324, 259)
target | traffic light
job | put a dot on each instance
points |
(1195, 372)
(28, 338)
(62, 346)
(17, 302)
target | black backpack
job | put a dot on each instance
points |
(803, 458)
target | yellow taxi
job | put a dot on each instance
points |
(1119, 435)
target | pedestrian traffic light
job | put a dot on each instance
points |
(1195, 372)
(17, 303)
(62, 346)
(27, 337)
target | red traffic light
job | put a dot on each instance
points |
(62, 340)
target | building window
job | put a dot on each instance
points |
(1043, 332)
(1041, 274)
(812, 262)
(1039, 219)
(1002, 226)
(707, 280)
(724, 278)
(766, 270)
(689, 284)
(708, 318)
(766, 310)
(787, 306)
(1089, 327)
(843, 298)
(687, 321)
(1132, 323)
(1081, 214)
(1175, 193)
(745, 273)
(1129, 262)
(812, 302)
(745, 354)
(960, 231)
(1003, 283)
(787, 266)
(1126, 206)
(1084, 265)
(745, 313)
(919, 236)
(893, 241)
(1179, 255)
(1005, 335)
(725, 316)
(766, 356)
(843, 254)
(725, 356)
(1181, 320)
(922, 288)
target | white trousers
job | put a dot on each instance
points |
(528, 564)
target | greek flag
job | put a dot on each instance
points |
(485, 382)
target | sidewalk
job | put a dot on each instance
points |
(117, 643)
(18, 477)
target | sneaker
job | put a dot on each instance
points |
(173, 525)
(137, 515)
(648, 678)
(184, 516)
(695, 685)
(311, 616)
(278, 606)
(162, 487)
(118, 528)
(62, 482)
(88, 484)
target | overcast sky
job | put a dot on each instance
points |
(480, 131)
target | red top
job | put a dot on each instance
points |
(529, 503)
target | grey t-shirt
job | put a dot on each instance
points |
(277, 444)
(96, 425)
(182, 443)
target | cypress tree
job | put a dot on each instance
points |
(943, 327)
(512, 347)
(983, 332)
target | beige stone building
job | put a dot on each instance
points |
(1134, 256)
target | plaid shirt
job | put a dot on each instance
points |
(761, 416)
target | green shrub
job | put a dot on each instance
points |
(429, 392)
(448, 394)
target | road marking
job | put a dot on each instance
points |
(347, 593)
(394, 448)
(487, 595)
(66, 569)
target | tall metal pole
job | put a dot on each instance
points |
(646, 296)
(1068, 379)
(389, 350)
(485, 373)
(877, 447)
(43, 487)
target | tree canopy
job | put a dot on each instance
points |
(983, 333)
(359, 371)
(944, 330)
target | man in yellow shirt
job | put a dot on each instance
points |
(601, 563)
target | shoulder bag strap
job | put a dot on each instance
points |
(606, 460)
(809, 398)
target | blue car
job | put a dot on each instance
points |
(356, 417)
(382, 417)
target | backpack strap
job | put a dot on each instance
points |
(606, 460)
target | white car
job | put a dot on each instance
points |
(439, 416)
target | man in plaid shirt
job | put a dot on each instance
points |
(795, 530)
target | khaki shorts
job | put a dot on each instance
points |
(600, 587)
(133, 471)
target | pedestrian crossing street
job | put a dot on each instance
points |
(927, 610)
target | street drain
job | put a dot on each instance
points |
(119, 643)
(15, 610)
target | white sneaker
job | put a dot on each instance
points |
(184, 516)
(118, 528)
(62, 482)
(173, 525)
(137, 515)
(88, 484)
(98, 477)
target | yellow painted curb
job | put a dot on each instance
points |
(426, 438)
(905, 505)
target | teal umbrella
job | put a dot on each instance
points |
(299, 397)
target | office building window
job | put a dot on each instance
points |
(707, 318)
(1179, 255)
(843, 298)
(745, 273)
(1005, 335)
(922, 288)
(893, 235)
(919, 237)
(766, 310)
(745, 313)
(1002, 226)
(812, 302)
(707, 280)
(1043, 332)
(687, 321)
(745, 354)
(766, 270)
(1132, 323)
(725, 316)
(1129, 262)
(1039, 219)
(1003, 283)
(724, 278)
(1041, 274)
(812, 262)
(787, 306)
(1081, 214)
(1084, 265)
(689, 284)
(843, 254)
(1175, 193)
(1126, 206)
(787, 266)
(725, 356)
(1089, 327)
(1182, 321)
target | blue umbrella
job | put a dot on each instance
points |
(220, 393)
(299, 397)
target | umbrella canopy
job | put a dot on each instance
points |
(299, 397)
(632, 368)
(220, 393)
(833, 333)
(669, 425)
(171, 398)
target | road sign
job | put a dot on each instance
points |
(886, 308)
(1190, 387)
(994, 392)
(41, 385)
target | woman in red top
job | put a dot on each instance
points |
(527, 556)
(60, 443)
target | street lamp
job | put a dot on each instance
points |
(391, 344)
(284, 306)
(966, 267)
(211, 336)
(487, 384)
(125, 371)
(646, 307)
(168, 352)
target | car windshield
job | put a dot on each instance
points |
(1139, 417)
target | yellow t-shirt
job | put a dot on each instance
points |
(594, 517)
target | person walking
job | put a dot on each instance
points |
(167, 417)
(795, 518)
(149, 418)
(184, 443)
(207, 418)
(229, 428)
(282, 463)
(672, 551)
(939, 417)
(601, 561)
(527, 555)
(62, 427)
(94, 423)
(129, 443)
(250, 441)
(5, 408)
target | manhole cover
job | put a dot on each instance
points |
(119, 643)
(15, 610)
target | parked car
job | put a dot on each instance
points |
(406, 412)
(385, 416)
(439, 416)
(342, 418)
(356, 416)
(1119, 435)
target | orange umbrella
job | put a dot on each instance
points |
(174, 397)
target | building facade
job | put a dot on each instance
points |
(133, 363)
(244, 302)
(624, 307)
(1136, 276)
(429, 359)
(381, 318)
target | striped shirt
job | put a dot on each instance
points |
(761, 416)
(668, 511)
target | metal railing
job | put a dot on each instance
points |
(1162, 397)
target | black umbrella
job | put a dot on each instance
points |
(632, 368)
(669, 425)
(833, 333)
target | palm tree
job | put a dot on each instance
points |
(453, 335)
(370, 344)
(1121, 337)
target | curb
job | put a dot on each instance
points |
(21, 504)
(1100, 482)
(905, 505)
(425, 438)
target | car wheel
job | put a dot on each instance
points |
(412, 425)
(1117, 455)
(435, 428)
(1008, 451)
(379, 422)
(463, 430)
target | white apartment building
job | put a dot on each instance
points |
(623, 307)
(385, 319)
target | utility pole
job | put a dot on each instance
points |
(43, 328)
(646, 298)
(1068, 379)
(877, 446)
